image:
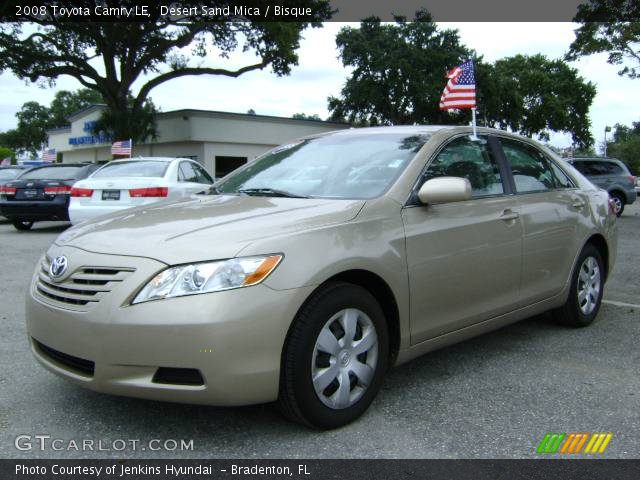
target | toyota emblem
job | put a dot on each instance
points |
(58, 266)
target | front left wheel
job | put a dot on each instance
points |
(335, 357)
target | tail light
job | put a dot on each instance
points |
(633, 179)
(58, 190)
(8, 190)
(81, 192)
(149, 192)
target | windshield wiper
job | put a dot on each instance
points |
(270, 192)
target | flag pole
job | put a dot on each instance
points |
(131, 141)
(473, 122)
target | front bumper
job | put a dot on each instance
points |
(36, 210)
(233, 338)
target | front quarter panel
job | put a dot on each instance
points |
(373, 241)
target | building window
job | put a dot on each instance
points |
(226, 165)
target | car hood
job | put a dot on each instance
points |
(204, 227)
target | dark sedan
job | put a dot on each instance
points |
(41, 194)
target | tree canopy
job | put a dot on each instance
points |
(35, 119)
(609, 26)
(626, 145)
(399, 73)
(110, 57)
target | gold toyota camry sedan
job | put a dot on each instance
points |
(304, 275)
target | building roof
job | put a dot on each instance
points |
(191, 111)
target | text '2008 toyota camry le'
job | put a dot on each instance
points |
(304, 275)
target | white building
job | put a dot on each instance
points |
(222, 141)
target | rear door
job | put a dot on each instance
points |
(551, 211)
(464, 258)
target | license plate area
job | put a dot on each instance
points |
(111, 195)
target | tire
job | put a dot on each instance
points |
(22, 225)
(305, 356)
(619, 202)
(584, 300)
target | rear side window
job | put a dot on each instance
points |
(530, 168)
(471, 160)
(593, 167)
(53, 173)
(133, 168)
(187, 173)
(203, 176)
(561, 178)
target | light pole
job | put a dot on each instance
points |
(606, 129)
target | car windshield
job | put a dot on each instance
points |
(9, 173)
(53, 173)
(133, 168)
(332, 166)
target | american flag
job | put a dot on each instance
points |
(460, 91)
(122, 147)
(5, 162)
(49, 155)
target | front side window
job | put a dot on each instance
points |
(472, 160)
(529, 167)
(351, 165)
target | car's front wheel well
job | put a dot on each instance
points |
(375, 285)
(599, 242)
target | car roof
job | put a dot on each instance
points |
(153, 159)
(593, 159)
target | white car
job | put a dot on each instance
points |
(134, 182)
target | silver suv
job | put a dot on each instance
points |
(612, 175)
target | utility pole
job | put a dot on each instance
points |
(606, 129)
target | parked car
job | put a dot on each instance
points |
(134, 182)
(41, 194)
(307, 296)
(9, 173)
(612, 175)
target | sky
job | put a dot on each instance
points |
(320, 74)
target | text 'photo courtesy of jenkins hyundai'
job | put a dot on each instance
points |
(305, 275)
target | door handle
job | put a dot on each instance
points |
(509, 215)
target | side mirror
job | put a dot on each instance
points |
(445, 190)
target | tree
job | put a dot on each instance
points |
(399, 74)
(35, 119)
(6, 152)
(304, 116)
(67, 103)
(533, 95)
(109, 57)
(626, 145)
(611, 26)
(398, 71)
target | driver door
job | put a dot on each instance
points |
(464, 258)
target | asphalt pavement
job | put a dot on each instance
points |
(494, 396)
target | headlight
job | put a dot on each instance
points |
(208, 277)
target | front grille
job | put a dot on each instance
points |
(85, 287)
(75, 364)
(178, 376)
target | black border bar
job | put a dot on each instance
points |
(583, 469)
